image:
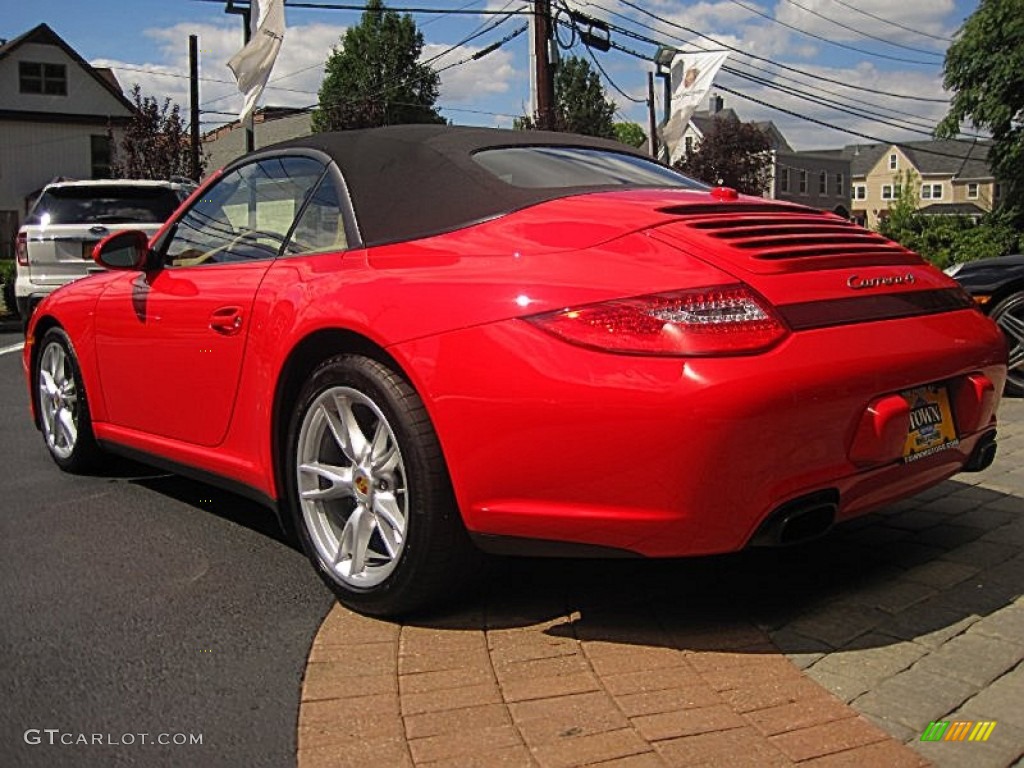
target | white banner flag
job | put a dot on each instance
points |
(692, 75)
(253, 63)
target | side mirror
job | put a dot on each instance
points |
(128, 250)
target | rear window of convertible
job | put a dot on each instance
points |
(566, 167)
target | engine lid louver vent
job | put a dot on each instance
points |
(801, 237)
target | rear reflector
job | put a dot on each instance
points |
(720, 320)
(865, 309)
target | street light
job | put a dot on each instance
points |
(663, 68)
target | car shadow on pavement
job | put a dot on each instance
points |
(919, 571)
(223, 504)
(922, 570)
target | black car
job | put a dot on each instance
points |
(997, 285)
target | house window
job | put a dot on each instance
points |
(784, 180)
(972, 191)
(892, 162)
(934, 191)
(839, 184)
(803, 182)
(997, 191)
(823, 183)
(860, 192)
(99, 149)
(688, 142)
(47, 79)
(887, 191)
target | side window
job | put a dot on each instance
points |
(246, 215)
(321, 226)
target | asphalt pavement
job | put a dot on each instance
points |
(138, 608)
(140, 603)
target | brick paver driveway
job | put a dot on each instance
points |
(836, 654)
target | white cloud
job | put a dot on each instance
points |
(469, 82)
(295, 80)
(897, 22)
(803, 134)
(297, 73)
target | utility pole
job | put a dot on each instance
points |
(246, 14)
(652, 120)
(193, 76)
(544, 75)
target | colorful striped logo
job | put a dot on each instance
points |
(959, 730)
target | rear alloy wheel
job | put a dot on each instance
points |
(63, 408)
(1009, 315)
(369, 491)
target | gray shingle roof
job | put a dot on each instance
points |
(966, 160)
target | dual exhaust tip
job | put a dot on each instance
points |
(797, 521)
(811, 517)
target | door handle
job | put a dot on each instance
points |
(226, 320)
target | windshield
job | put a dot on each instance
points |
(106, 204)
(566, 167)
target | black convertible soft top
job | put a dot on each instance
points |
(412, 181)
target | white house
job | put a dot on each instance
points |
(55, 110)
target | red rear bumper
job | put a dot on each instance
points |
(667, 457)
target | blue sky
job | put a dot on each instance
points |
(889, 51)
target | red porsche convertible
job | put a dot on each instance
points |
(419, 341)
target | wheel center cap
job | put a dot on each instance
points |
(362, 484)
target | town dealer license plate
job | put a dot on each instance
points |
(931, 422)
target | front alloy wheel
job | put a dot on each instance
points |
(352, 487)
(63, 408)
(369, 491)
(1009, 316)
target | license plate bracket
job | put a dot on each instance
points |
(932, 428)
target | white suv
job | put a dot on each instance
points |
(54, 245)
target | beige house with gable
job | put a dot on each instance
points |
(950, 177)
(55, 112)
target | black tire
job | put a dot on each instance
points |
(62, 403)
(397, 499)
(1009, 316)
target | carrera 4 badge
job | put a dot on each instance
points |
(856, 282)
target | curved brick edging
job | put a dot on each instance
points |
(912, 615)
(475, 690)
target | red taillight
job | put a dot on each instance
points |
(21, 248)
(722, 320)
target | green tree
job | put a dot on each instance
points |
(984, 69)
(732, 153)
(375, 78)
(630, 133)
(580, 102)
(945, 240)
(154, 144)
(902, 222)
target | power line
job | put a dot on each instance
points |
(791, 113)
(836, 43)
(860, 32)
(572, 25)
(349, 7)
(394, 86)
(734, 49)
(922, 126)
(480, 30)
(893, 23)
(741, 52)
